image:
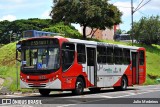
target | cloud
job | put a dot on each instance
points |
(152, 5)
(8, 17)
(45, 14)
(124, 7)
(15, 1)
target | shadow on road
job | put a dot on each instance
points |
(85, 93)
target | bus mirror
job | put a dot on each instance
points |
(18, 47)
(18, 50)
(17, 56)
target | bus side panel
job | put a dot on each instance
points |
(69, 77)
(128, 73)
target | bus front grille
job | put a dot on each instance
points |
(36, 85)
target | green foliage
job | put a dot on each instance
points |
(64, 30)
(12, 31)
(88, 13)
(147, 30)
(4, 32)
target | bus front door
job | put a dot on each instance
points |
(91, 65)
(135, 70)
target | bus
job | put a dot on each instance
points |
(64, 64)
(36, 33)
(124, 38)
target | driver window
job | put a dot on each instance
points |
(68, 55)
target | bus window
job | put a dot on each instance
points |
(118, 56)
(141, 57)
(68, 50)
(126, 56)
(110, 55)
(81, 57)
(30, 58)
(41, 58)
(101, 55)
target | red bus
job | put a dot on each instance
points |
(58, 63)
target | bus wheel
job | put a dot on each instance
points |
(79, 88)
(44, 92)
(123, 83)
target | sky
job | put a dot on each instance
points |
(23, 9)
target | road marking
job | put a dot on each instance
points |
(132, 93)
(67, 105)
(106, 96)
(136, 94)
(13, 96)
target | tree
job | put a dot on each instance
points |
(65, 30)
(88, 13)
(147, 30)
(15, 29)
(4, 32)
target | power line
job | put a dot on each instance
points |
(141, 6)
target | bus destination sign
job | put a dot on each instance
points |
(40, 42)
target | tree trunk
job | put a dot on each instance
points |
(84, 32)
(94, 32)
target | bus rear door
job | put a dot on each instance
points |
(135, 68)
(91, 65)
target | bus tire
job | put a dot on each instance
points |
(79, 87)
(123, 83)
(123, 86)
(44, 92)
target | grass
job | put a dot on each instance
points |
(7, 55)
(10, 76)
(8, 69)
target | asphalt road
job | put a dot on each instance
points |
(143, 96)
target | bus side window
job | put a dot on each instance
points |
(81, 57)
(126, 56)
(141, 57)
(118, 56)
(68, 55)
(110, 55)
(101, 55)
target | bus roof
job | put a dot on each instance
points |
(101, 43)
(87, 42)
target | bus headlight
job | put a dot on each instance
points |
(27, 77)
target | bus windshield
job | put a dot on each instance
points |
(41, 58)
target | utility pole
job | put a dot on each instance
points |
(132, 20)
(133, 11)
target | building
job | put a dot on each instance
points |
(106, 34)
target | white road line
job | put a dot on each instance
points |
(13, 96)
(12, 105)
(136, 94)
(67, 105)
(132, 93)
(106, 96)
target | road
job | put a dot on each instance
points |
(143, 96)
